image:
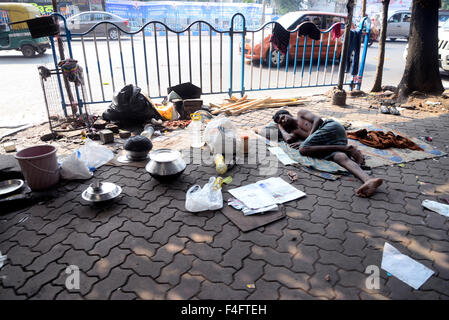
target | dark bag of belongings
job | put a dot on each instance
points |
(130, 107)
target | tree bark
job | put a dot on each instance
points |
(344, 54)
(383, 36)
(363, 8)
(422, 67)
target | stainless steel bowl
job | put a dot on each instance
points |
(165, 164)
(101, 191)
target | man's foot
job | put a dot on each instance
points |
(369, 187)
(356, 155)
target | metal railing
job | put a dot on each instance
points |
(154, 62)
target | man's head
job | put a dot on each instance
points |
(279, 113)
(285, 119)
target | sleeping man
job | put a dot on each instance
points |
(325, 139)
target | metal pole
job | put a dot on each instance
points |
(344, 55)
(62, 57)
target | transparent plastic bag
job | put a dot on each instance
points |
(207, 198)
(73, 168)
(221, 136)
(95, 155)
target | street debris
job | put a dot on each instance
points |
(404, 268)
(251, 286)
(437, 207)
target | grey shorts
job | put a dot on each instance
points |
(330, 132)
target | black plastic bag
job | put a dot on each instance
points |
(130, 107)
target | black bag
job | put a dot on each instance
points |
(130, 107)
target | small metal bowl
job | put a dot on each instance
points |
(101, 191)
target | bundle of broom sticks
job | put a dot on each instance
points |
(235, 106)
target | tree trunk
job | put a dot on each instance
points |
(383, 36)
(422, 67)
(363, 8)
(344, 53)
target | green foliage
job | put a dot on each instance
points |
(445, 4)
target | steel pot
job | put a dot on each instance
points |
(165, 164)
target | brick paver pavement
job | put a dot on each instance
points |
(146, 246)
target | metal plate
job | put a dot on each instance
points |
(125, 159)
(10, 186)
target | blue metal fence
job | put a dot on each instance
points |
(157, 62)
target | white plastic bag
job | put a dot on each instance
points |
(95, 155)
(221, 136)
(207, 198)
(73, 168)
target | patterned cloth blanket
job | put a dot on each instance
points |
(373, 157)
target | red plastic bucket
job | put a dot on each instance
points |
(39, 166)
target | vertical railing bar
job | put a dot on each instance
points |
(134, 60)
(252, 55)
(327, 58)
(179, 58)
(286, 64)
(278, 68)
(98, 64)
(303, 55)
(121, 56)
(201, 56)
(210, 57)
(296, 58)
(146, 61)
(190, 56)
(261, 59)
(311, 61)
(55, 60)
(319, 58)
(242, 75)
(168, 56)
(333, 60)
(221, 62)
(109, 56)
(269, 60)
(231, 56)
(362, 63)
(87, 68)
(156, 51)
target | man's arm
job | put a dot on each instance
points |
(289, 138)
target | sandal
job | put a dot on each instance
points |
(384, 109)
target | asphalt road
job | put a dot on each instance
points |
(22, 99)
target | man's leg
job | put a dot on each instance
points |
(369, 184)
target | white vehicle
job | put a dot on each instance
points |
(443, 46)
(399, 25)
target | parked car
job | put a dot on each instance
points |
(443, 46)
(17, 36)
(323, 20)
(399, 25)
(84, 21)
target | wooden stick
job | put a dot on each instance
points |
(250, 106)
